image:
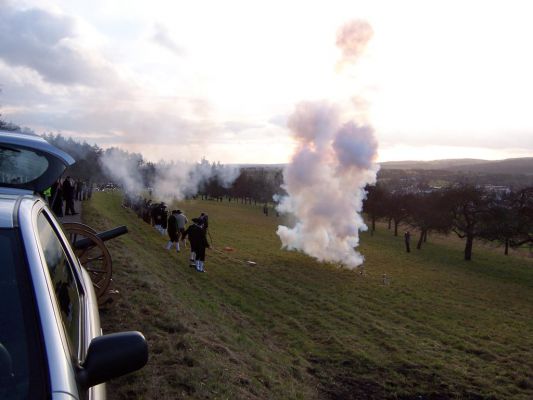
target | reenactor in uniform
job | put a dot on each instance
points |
(182, 221)
(198, 242)
(173, 232)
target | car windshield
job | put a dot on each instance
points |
(19, 166)
(20, 365)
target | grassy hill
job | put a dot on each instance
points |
(292, 328)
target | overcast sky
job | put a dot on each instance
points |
(186, 79)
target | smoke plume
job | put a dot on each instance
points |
(325, 180)
(172, 180)
(124, 168)
(178, 180)
(352, 39)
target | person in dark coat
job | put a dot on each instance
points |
(204, 221)
(173, 232)
(198, 242)
(56, 198)
(68, 195)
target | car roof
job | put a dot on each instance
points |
(22, 159)
(9, 201)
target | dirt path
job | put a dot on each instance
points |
(73, 218)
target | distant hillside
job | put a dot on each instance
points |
(507, 166)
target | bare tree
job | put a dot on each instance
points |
(427, 213)
(468, 207)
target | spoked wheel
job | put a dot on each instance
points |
(92, 253)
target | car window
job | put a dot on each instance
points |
(20, 166)
(64, 280)
(21, 356)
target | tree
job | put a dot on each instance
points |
(509, 219)
(467, 206)
(427, 213)
(375, 204)
(398, 207)
(524, 203)
(501, 222)
(8, 126)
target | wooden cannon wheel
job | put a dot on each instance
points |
(95, 257)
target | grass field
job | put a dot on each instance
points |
(292, 328)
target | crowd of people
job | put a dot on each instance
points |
(63, 192)
(176, 225)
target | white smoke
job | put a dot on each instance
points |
(352, 39)
(172, 180)
(178, 180)
(325, 180)
(124, 168)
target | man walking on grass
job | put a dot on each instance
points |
(198, 242)
(181, 221)
(173, 231)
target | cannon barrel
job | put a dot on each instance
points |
(105, 235)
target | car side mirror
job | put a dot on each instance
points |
(113, 355)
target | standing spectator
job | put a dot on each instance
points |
(68, 195)
(182, 221)
(47, 194)
(78, 190)
(173, 232)
(56, 199)
(198, 242)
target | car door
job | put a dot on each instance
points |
(71, 293)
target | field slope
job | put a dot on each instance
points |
(292, 328)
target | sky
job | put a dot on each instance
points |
(181, 80)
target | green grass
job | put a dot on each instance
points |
(293, 328)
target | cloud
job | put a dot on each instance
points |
(51, 82)
(46, 43)
(240, 126)
(163, 38)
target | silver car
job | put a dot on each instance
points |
(51, 343)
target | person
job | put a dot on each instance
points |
(407, 239)
(265, 210)
(204, 221)
(164, 220)
(173, 232)
(56, 198)
(68, 195)
(182, 221)
(77, 190)
(158, 210)
(199, 243)
(47, 194)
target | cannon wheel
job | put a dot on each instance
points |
(95, 258)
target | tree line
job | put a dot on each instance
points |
(471, 212)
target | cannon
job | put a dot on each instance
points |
(92, 252)
(81, 244)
